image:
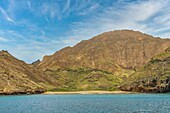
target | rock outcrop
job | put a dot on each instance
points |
(37, 62)
(154, 77)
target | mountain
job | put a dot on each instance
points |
(109, 61)
(17, 77)
(153, 77)
(125, 48)
(102, 62)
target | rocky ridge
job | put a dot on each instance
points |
(103, 62)
(122, 48)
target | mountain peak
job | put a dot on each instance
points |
(124, 34)
(127, 48)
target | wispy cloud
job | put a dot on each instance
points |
(43, 27)
(89, 9)
(66, 8)
(147, 16)
(7, 17)
(85, 7)
(55, 10)
(3, 39)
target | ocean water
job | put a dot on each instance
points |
(115, 103)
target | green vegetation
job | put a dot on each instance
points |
(152, 77)
(81, 79)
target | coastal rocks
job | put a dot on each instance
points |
(154, 77)
(20, 92)
(160, 88)
(137, 87)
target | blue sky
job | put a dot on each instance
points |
(30, 29)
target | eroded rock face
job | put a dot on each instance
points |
(124, 48)
(154, 77)
(17, 77)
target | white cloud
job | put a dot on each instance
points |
(89, 9)
(7, 17)
(148, 16)
(50, 9)
(3, 39)
(66, 8)
(55, 9)
(84, 7)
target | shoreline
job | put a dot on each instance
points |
(87, 92)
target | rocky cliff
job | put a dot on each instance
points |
(153, 77)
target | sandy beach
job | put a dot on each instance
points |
(90, 92)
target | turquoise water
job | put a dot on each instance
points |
(123, 103)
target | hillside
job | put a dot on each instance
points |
(17, 77)
(125, 48)
(103, 62)
(85, 79)
(152, 77)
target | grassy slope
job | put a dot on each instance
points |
(86, 79)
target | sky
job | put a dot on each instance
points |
(30, 29)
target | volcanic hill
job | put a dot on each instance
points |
(102, 62)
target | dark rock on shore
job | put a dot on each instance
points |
(154, 77)
(28, 92)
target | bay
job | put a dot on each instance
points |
(86, 103)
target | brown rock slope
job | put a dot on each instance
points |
(103, 62)
(17, 77)
(122, 48)
(153, 77)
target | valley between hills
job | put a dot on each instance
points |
(123, 60)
